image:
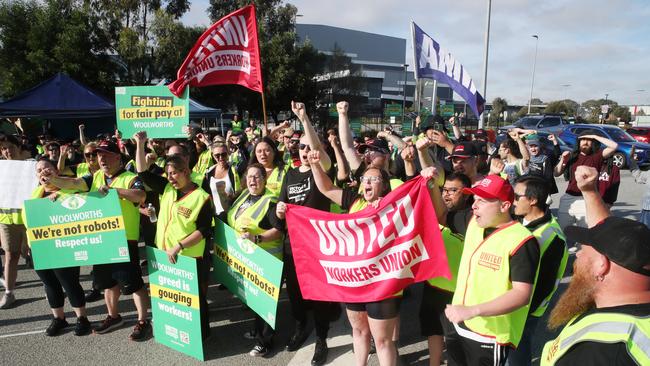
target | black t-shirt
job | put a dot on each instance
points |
(299, 188)
(457, 221)
(524, 262)
(349, 196)
(548, 264)
(602, 353)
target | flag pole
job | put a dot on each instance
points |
(266, 128)
(415, 73)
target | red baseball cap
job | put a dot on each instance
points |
(492, 187)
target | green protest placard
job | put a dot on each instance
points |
(249, 272)
(175, 302)
(76, 230)
(153, 109)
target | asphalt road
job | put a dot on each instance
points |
(23, 342)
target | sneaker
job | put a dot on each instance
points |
(7, 300)
(320, 353)
(259, 351)
(108, 324)
(56, 326)
(94, 295)
(141, 331)
(298, 338)
(251, 334)
(82, 327)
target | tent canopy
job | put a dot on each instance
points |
(198, 110)
(59, 97)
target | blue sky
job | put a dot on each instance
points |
(598, 47)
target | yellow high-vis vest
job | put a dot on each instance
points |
(454, 248)
(130, 212)
(249, 220)
(545, 234)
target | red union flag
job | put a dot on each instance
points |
(371, 254)
(227, 53)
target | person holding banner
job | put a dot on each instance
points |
(58, 279)
(266, 153)
(185, 218)
(298, 188)
(249, 217)
(114, 277)
(496, 277)
(378, 318)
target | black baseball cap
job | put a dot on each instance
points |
(623, 241)
(379, 145)
(464, 150)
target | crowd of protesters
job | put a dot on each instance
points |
(506, 251)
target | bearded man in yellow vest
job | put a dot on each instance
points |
(117, 278)
(607, 303)
(531, 193)
(495, 279)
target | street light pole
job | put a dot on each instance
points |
(532, 82)
(566, 86)
(485, 59)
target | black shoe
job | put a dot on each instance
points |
(56, 326)
(109, 324)
(259, 351)
(320, 354)
(94, 295)
(298, 338)
(141, 331)
(82, 327)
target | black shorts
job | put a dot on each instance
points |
(432, 308)
(127, 274)
(462, 350)
(381, 310)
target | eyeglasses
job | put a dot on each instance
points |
(254, 177)
(371, 179)
(220, 155)
(450, 190)
(304, 146)
(92, 154)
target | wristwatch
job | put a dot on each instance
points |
(181, 245)
(257, 239)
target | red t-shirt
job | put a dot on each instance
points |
(594, 160)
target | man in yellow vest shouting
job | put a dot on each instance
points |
(495, 279)
(607, 305)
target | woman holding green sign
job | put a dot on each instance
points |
(58, 279)
(185, 218)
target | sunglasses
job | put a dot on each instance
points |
(91, 154)
(220, 155)
(304, 146)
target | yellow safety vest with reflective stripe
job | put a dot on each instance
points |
(204, 162)
(454, 248)
(249, 220)
(545, 234)
(83, 169)
(484, 275)
(603, 327)
(130, 212)
(274, 180)
(177, 219)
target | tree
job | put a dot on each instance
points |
(592, 109)
(567, 107)
(499, 106)
(621, 112)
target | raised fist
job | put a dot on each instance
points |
(342, 108)
(313, 157)
(298, 108)
(586, 178)
(496, 166)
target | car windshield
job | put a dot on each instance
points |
(527, 122)
(619, 135)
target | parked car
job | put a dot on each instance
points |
(550, 123)
(641, 134)
(622, 138)
(547, 145)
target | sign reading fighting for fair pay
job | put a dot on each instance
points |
(153, 109)
(76, 230)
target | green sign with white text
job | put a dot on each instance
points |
(249, 272)
(76, 230)
(153, 109)
(175, 306)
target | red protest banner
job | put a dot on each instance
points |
(371, 254)
(227, 53)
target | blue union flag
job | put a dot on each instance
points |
(434, 62)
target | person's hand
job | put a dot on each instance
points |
(514, 134)
(53, 196)
(417, 121)
(423, 143)
(228, 134)
(342, 108)
(247, 236)
(382, 134)
(298, 108)
(552, 139)
(460, 313)
(408, 153)
(333, 140)
(586, 178)
(150, 158)
(172, 253)
(281, 210)
(436, 175)
(496, 166)
(440, 138)
(375, 203)
(565, 157)
(452, 120)
(82, 127)
(104, 189)
(187, 130)
(64, 150)
(140, 137)
(313, 157)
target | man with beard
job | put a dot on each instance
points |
(495, 280)
(464, 160)
(606, 306)
(572, 204)
(531, 193)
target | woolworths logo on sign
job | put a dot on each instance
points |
(73, 202)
